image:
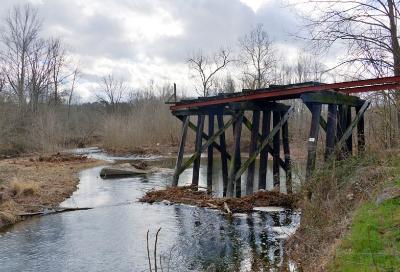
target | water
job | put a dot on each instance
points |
(112, 235)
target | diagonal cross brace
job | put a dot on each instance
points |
(270, 150)
(206, 137)
(209, 142)
(264, 143)
(349, 130)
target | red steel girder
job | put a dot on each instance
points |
(359, 86)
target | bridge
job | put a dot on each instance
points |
(268, 140)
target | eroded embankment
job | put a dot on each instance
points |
(339, 190)
(30, 184)
(191, 196)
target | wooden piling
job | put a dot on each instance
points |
(313, 138)
(198, 143)
(349, 141)
(252, 149)
(224, 159)
(277, 147)
(360, 133)
(210, 154)
(262, 173)
(331, 130)
(234, 186)
(185, 124)
(286, 151)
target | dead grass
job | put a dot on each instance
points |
(337, 191)
(191, 196)
(28, 184)
(24, 188)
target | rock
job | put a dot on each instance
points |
(166, 202)
(123, 170)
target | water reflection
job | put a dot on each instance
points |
(112, 236)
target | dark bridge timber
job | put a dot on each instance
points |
(266, 140)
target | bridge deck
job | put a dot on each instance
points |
(284, 92)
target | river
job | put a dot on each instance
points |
(112, 235)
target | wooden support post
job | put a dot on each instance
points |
(264, 143)
(286, 151)
(360, 133)
(210, 154)
(224, 159)
(313, 139)
(349, 141)
(198, 143)
(236, 160)
(277, 149)
(262, 172)
(341, 127)
(331, 130)
(181, 151)
(252, 149)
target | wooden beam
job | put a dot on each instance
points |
(197, 148)
(210, 154)
(206, 137)
(267, 141)
(252, 149)
(360, 133)
(277, 150)
(349, 141)
(205, 146)
(349, 130)
(331, 130)
(341, 127)
(181, 151)
(224, 159)
(331, 98)
(286, 151)
(235, 159)
(313, 139)
(270, 150)
(322, 121)
(262, 172)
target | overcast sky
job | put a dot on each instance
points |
(151, 40)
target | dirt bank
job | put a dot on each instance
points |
(29, 184)
(189, 195)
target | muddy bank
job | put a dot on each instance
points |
(191, 196)
(31, 184)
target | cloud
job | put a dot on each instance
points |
(144, 40)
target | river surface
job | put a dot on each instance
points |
(112, 235)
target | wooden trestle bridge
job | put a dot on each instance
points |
(264, 139)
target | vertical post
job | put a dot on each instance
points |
(277, 148)
(210, 154)
(262, 174)
(286, 151)
(185, 125)
(224, 159)
(198, 143)
(236, 161)
(312, 140)
(175, 99)
(360, 133)
(349, 141)
(331, 130)
(252, 149)
(341, 128)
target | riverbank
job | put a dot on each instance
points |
(348, 209)
(33, 183)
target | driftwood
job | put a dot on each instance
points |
(52, 211)
(124, 170)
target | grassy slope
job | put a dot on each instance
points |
(373, 242)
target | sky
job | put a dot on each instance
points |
(142, 40)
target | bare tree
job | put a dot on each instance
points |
(369, 30)
(207, 68)
(111, 91)
(75, 76)
(58, 62)
(22, 28)
(257, 58)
